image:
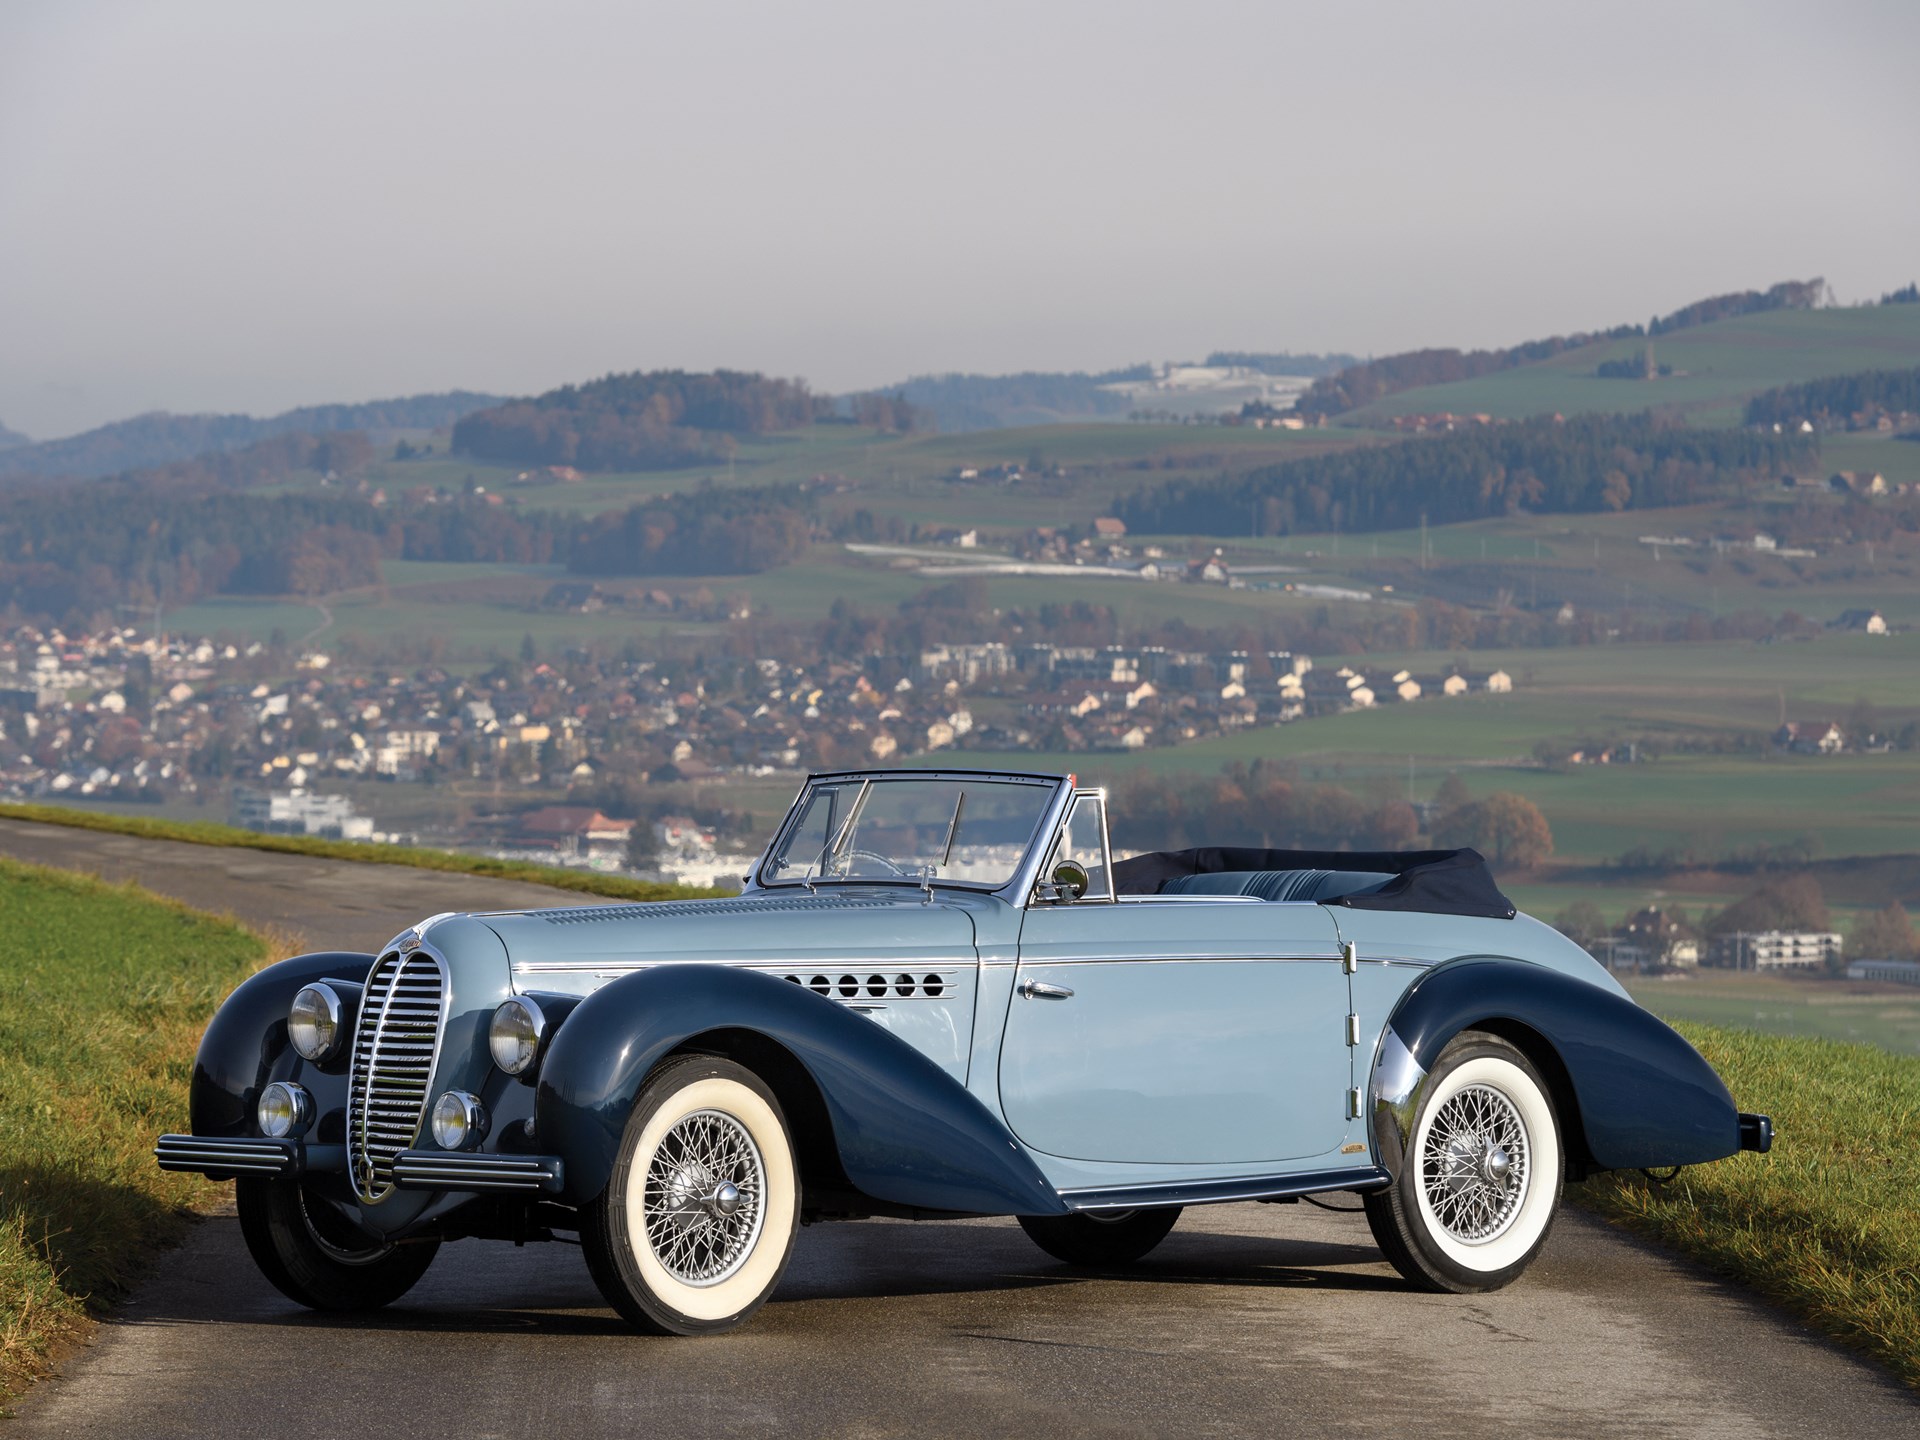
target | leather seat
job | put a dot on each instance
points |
(1282, 885)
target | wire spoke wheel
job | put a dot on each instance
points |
(1476, 1193)
(1474, 1164)
(696, 1225)
(705, 1198)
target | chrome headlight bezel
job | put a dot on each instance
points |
(314, 1022)
(284, 1111)
(517, 1035)
(459, 1120)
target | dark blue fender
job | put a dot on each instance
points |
(906, 1132)
(1645, 1097)
(249, 1033)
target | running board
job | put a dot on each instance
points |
(1222, 1192)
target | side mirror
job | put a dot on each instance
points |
(1070, 879)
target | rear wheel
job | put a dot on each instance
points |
(1119, 1238)
(696, 1226)
(314, 1255)
(1481, 1181)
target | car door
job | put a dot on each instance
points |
(1183, 1031)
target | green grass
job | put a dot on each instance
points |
(104, 991)
(1828, 1224)
(201, 832)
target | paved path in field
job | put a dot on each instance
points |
(1269, 1320)
(305, 902)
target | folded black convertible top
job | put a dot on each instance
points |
(1437, 882)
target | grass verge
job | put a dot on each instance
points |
(202, 832)
(1828, 1225)
(104, 992)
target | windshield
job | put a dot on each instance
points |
(967, 830)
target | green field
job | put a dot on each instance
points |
(1717, 368)
(103, 995)
(1815, 1006)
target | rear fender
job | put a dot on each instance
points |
(1642, 1096)
(905, 1132)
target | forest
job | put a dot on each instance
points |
(651, 420)
(1544, 466)
(1833, 401)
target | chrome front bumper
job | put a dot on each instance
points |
(464, 1170)
(223, 1157)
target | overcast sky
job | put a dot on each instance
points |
(247, 207)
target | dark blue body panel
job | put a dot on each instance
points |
(1646, 1098)
(249, 1033)
(906, 1133)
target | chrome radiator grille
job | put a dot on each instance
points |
(393, 1052)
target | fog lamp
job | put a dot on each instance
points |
(313, 1022)
(516, 1033)
(459, 1120)
(285, 1111)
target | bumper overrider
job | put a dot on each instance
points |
(224, 1157)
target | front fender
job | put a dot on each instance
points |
(249, 1032)
(906, 1132)
(1645, 1098)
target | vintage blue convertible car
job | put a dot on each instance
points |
(939, 996)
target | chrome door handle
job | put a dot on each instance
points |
(1040, 990)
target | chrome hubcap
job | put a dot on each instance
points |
(705, 1198)
(1473, 1165)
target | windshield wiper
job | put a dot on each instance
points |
(831, 850)
(946, 850)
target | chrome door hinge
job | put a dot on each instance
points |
(1353, 1103)
(1353, 1029)
(1350, 957)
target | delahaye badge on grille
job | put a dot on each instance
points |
(939, 995)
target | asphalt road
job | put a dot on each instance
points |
(1250, 1319)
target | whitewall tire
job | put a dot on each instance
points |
(1480, 1184)
(696, 1225)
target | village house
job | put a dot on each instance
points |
(1822, 737)
(1775, 950)
(1866, 622)
(573, 830)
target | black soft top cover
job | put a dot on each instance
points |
(1437, 882)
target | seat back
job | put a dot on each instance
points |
(1280, 885)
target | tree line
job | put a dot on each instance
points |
(160, 438)
(1834, 399)
(1583, 464)
(643, 420)
(1372, 380)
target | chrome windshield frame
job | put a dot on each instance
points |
(1014, 890)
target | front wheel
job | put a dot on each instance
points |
(1098, 1241)
(314, 1255)
(696, 1226)
(1481, 1180)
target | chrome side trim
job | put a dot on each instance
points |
(459, 1170)
(1222, 1192)
(1028, 960)
(1397, 1085)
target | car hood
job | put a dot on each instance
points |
(579, 947)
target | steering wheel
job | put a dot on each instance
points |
(893, 870)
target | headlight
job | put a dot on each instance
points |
(515, 1035)
(459, 1120)
(313, 1022)
(285, 1111)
